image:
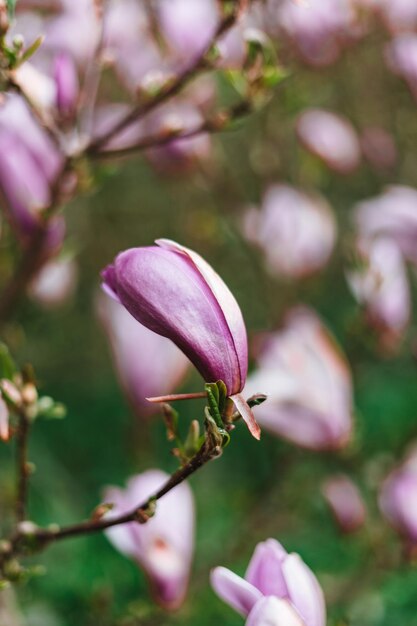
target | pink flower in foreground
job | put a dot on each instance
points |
(345, 502)
(147, 364)
(295, 231)
(163, 546)
(380, 284)
(174, 292)
(398, 498)
(330, 137)
(278, 589)
(308, 384)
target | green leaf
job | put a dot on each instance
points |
(191, 444)
(213, 403)
(11, 5)
(7, 365)
(29, 52)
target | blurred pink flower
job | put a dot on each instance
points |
(147, 364)
(331, 137)
(401, 58)
(318, 28)
(188, 26)
(392, 214)
(308, 384)
(379, 148)
(380, 284)
(398, 15)
(398, 498)
(163, 546)
(295, 231)
(345, 502)
(278, 589)
(29, 166)
(67, 86)
(55, 283)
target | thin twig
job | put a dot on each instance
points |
(22, 466)
(171, 88)
(139, 514)
(217, 124)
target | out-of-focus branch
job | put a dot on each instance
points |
(22, 465)
(216, 124)
(171, 87)
(33, 255)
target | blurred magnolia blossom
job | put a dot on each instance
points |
(318, 29)
(330, 137)
(163, 546)
(398, 498)
(401, 58)
(398, 16)
(308, 383)
(295, 231)
(278, 589)
(379, 148)
(147, 364)
(345, 502)
(29, 166)
(174, 292)
(381, 285)
(55, 283)
(392, 214)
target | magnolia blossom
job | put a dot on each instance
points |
(308, 384)
(147, 364)
(398, 498)
(399, 16)
(318, 28)
(163, 546)
(295, 231)
(345, 502)
(278, 589)
(381, 284)
(331, 137)
(392, 214)
(29, 165)
(55, 283)
(172, 291)
(401, 57)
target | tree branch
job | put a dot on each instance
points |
(214, 125)
(172, 87)
(22, 465)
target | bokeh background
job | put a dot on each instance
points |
(255, 490)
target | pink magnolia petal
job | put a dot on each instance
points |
(234, 590)
(265, 569)
(247, 415)
(271, 611)
(304, 591)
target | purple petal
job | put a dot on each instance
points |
(304, 591)
(271, 611)
(234, 590)
(265, 569)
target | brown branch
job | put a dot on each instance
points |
(22, 466)
(172, 87)
(140, 514)
(217, 124)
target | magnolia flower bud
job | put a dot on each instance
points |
(273, 575)
(330, 137)
(67, 87)
(174, 292)
(308, 384)
(147, 364)
(55, 283)
(163, 546)
(345, 502)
